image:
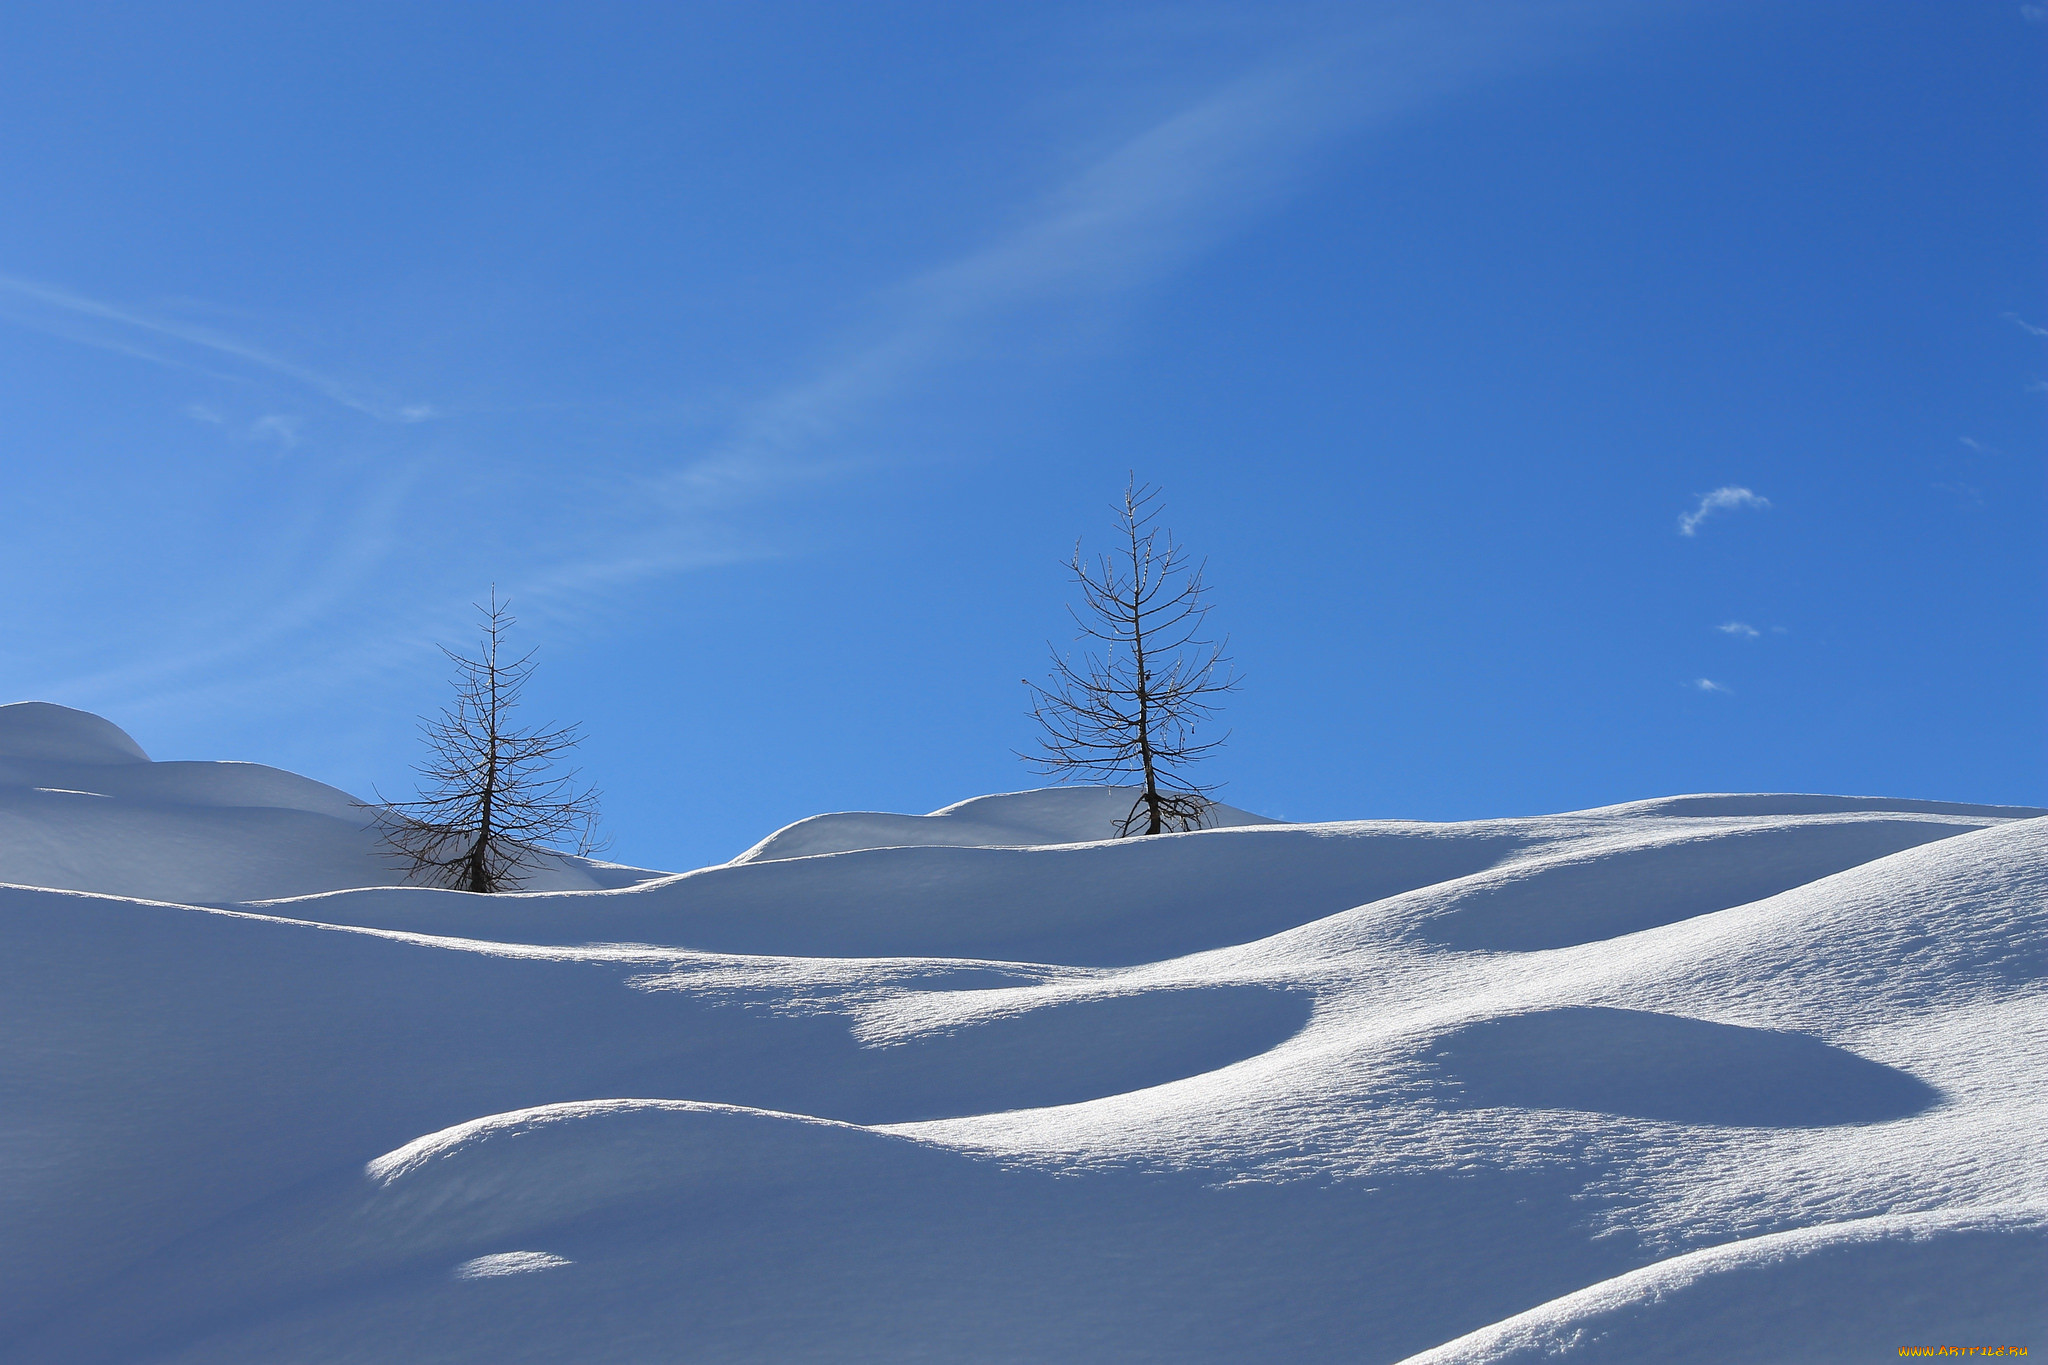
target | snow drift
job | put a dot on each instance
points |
(1717, 1077)
(82, 808)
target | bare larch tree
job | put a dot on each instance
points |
(1129, 706)
(489, 808)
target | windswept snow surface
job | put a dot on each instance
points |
(1728, 1077)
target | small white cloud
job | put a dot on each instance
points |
(2016, 320)
(1708, 685)
(1742, 628)
(509, 1263)
(199, 412)
(1721, 499)
(418, 412)
(277, 427)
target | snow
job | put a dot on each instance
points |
(38, 731)
(1717, 1077)
(1049, 815)
(82, 808)
(1917, 1280)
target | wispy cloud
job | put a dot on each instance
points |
(2024, 325)
(1720, 500)
(1145, 205)
(59, 312)
(1708, 685)
(276, 426)
(244, 644)
(1740, 628)
(1148, 205)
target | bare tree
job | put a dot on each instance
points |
(1128, 708)
(489, 809)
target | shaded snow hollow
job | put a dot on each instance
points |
(1711, 1078)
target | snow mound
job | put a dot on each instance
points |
(1843, 1292)
(1111, 903)
(1660, 1066)
(41, 730)
(1048, 815)
(1794, 803)
(1557, 898)
(83, 808)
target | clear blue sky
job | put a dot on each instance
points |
(771, 356)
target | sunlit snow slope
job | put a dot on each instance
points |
(1710, 1078)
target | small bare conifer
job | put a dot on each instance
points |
(1128, 708)
(489, 808)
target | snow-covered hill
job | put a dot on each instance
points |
(83, 809)
(1704, 1079)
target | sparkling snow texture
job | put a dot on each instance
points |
(1712, 1078)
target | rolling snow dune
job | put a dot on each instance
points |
(1748, 1077)
(83, 808)
(1662, 1066)
(40, 731)
(1050, 815)
(1114, 903)
(1844, 1292)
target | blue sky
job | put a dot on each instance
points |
(771, 356)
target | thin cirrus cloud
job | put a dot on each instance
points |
(1720, 500)
(241, 646)
(1151, 204)
(1708, 685)
(1742, 629)
(60, 312)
